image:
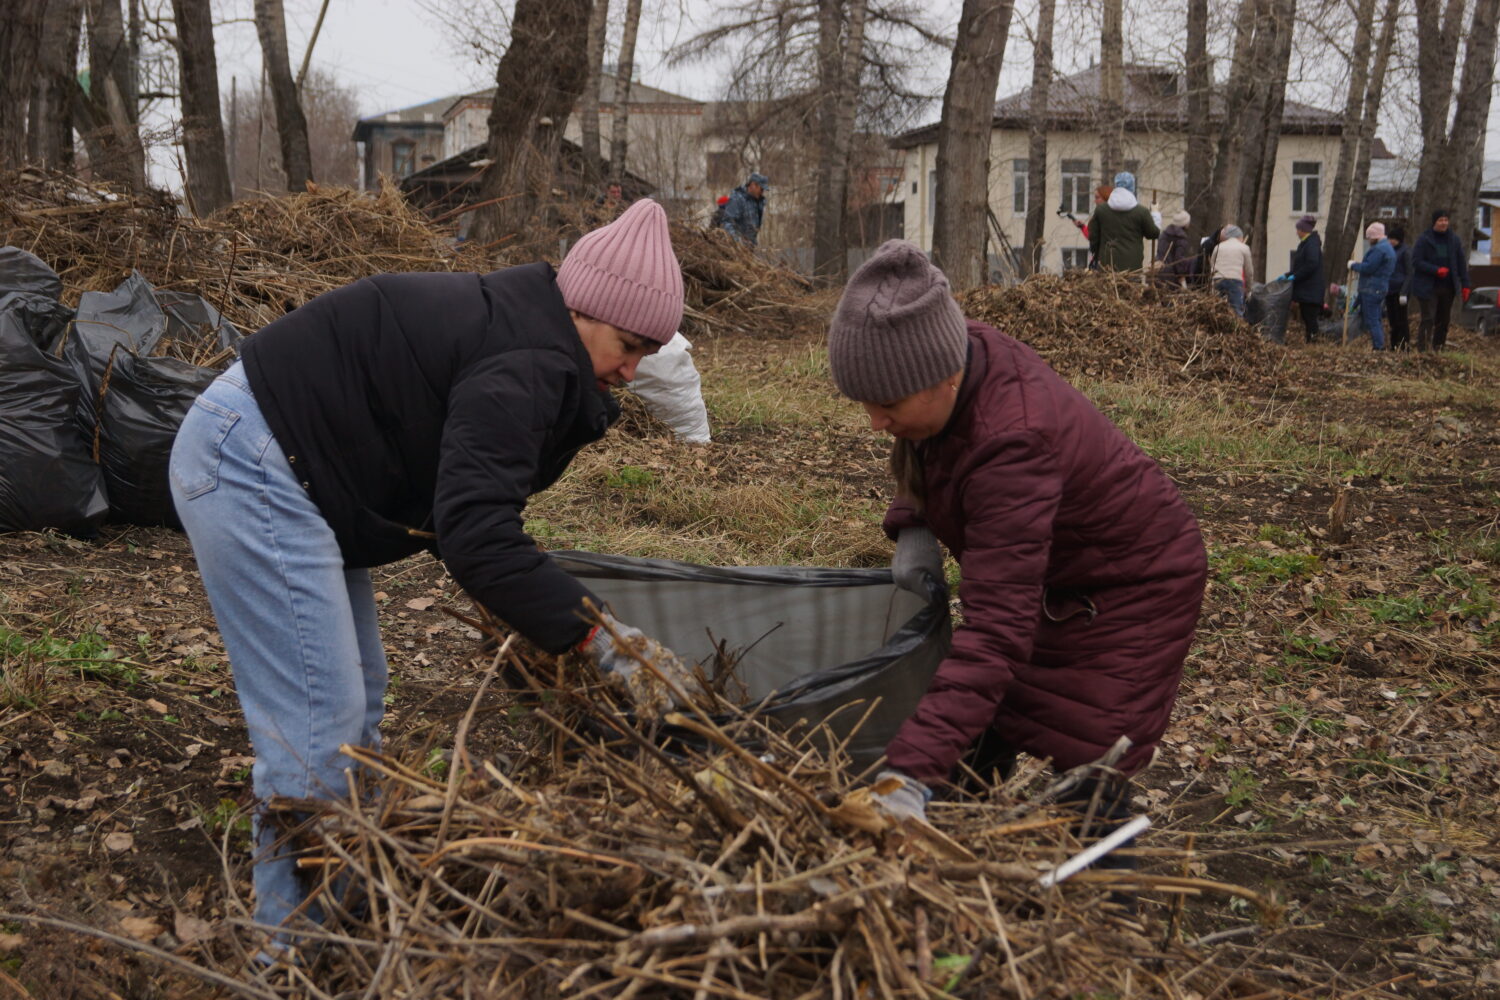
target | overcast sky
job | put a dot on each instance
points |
(396, 53)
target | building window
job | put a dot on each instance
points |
(1020, 176)
(1307, 180)
(913, 187)
(1486, 215)
(1387, 211)
(1075, 185)
(931, 196)
(403, 157)
(1075, 258)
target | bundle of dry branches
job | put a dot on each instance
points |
(1103, 324)
(591, 859)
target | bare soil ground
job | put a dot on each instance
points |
(1336, 742)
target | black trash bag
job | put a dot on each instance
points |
(134, 403)
(24, 272)
(143, 402)
(45, 319)
(1269, 306)
(48, 478)
(844, 647)
(191, 319)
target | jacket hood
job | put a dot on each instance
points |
(1122, 200)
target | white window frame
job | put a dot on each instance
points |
(1020, 184)
(1075, 185)
(1303, 202)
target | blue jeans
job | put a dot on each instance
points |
(300, 629)
(1370, 304)
(1234, 291)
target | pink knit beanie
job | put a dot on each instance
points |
(1375, 231)
(625, 274)
(897, 329)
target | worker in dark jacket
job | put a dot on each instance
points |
(746, 209)
(1306, 276)
(1082, 569)
(1400, 285)
(1439, 270)
(1174, 261)
(1118, 227)
(402, 412)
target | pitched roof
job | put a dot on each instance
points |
(426, 115)
(1155, 97)
(640, 93)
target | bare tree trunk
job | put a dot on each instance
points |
(1036, 154)
(541, 77)
(202, 128)
(963, 153)
(1223, 198)
(1341, 203)
(1447, 179)
(588, 112)
(1112, 90)
(619, 145)
(840, 60)
(1196, 199)
(20, 39)
(49, 138)
(117, 154)
(1269, 107)
(291, 124)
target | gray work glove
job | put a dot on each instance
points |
(907, 801)
(1401, 299)
(917, 553)
(619, 658)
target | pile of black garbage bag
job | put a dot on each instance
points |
(88, 404)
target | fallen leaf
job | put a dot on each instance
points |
(119, 841)
(141, 928)
(421, 603)
(189, 928)
(11, 942)
(156, 706)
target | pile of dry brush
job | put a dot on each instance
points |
(261, 257)
(587, 858)
(1103, 324)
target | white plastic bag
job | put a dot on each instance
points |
(668, 384)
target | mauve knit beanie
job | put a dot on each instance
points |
(1307, 224)
(625, 274)
(897, 329)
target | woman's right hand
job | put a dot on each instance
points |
(917, 555)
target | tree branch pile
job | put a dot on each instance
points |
(588, 859)
(1104, 325)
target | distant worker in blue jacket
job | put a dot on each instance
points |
(1374, 281)
(746, 209)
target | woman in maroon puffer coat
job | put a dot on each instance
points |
(1082, 568)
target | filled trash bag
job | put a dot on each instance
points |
(669, 385)
(191, 320)
(1269, 306)
(44, 319)
(833, 646)
(134, 402)
(48, 478)
(143, 402)
(25, 272)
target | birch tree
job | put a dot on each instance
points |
(1036, 160)
(963, 147)
(113, 133)
(291, 123)
(841, 41)
(619, 145)
(588, 113)
(202, 127)
(1112, 89)
(1361, 112)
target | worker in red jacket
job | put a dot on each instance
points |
(1082, 569)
